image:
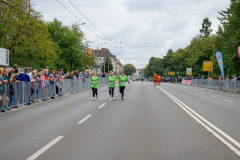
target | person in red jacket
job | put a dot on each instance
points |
(155, 79)
(159, 79)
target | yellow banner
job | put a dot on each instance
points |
(190, 73)
(207, 65)
(171, 73)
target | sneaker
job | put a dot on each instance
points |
(96, 96)
(122, 99)
(110, 97)
(93, 98)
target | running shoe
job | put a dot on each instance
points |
(93, 98)
(96, 96)
(122, 99)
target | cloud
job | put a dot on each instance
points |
(160, 24)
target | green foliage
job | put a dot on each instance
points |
(206, 30)
(108, 64)
(129, 69)
(25, 34)
(69, 40)
(202, 47)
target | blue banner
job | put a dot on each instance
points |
(220, 62)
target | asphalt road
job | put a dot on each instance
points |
(170, 122)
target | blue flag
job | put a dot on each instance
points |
(220, 62)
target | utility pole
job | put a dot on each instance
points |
(213, 59)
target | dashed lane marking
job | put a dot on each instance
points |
(102, 105)
(228, 101)
(84, 119)
(45, 148)
(214, 96)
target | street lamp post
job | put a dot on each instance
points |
(97, 51)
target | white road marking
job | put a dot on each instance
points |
(214, 96)
(45, 148)
(194, 90)
(84, 119)
(203, 93)
(102, 105)
(197, 117)
(116, 94)
(228, 101)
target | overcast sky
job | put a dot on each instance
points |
(139, 28)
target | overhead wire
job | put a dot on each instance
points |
(91, 23)
(78, 19)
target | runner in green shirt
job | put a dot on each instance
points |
(94, 84)
(122, 83)
(111, 84)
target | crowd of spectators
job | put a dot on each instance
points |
(43, 77)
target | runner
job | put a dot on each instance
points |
(111, 84)
(159, 79)
(94, 84)
(122, 83)
(155, 79)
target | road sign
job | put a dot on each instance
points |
(207, 65)
(4, 57)
(188, 70)
(171, 73)
(190, 73)
(96, 66)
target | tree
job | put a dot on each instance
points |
(69, 40)
(129, 69)
(107, 60)
(206, 30)
(25, 34)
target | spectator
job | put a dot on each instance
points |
(70, 76)
(3, 81)
(23, 76)
(80, 76)
(234, 77)
(238, 78)
(14, 70)
(30, 73)
(103, 75)
(46, 74)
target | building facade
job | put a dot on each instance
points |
(100, 56)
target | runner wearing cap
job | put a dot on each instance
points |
(122, 83)
(111, 84)
(94, 84)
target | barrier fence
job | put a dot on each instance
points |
(227, 85)
(22, 93)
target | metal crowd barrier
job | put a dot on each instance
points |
(26, 92)
(227, 85)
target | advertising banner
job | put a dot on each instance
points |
(220, 62)
(239, 51)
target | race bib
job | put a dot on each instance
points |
(122, 83)
(111, 83)
(94, 82)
